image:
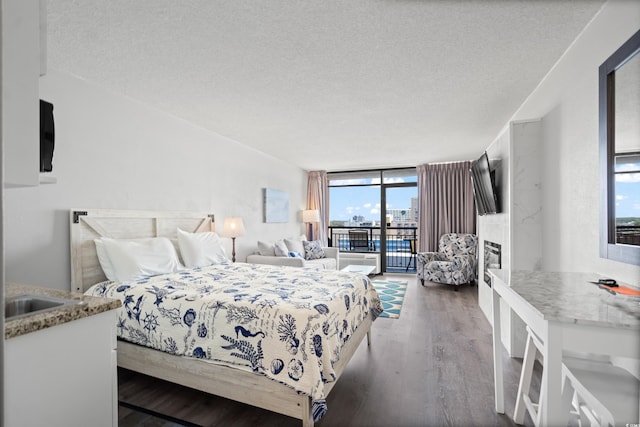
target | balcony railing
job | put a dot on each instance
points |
(628, 234)
(400, 244)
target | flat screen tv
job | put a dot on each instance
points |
(484, 189)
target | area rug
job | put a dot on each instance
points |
(391, 294)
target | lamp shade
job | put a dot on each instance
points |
(233, 227)
(310, 215)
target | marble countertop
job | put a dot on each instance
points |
(570, 297)
(23, 325)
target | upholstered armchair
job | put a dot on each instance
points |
(455, 263)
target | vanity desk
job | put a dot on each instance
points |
(568, 313)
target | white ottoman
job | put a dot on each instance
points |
(355, 258)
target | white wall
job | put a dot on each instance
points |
(113, 152)
(567, 102)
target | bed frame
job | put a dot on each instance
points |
(245, 387)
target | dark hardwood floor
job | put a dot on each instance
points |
(431, 367)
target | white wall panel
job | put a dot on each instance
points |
(567, 101)
(113, 152)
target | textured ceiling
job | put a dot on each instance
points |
(324, 84)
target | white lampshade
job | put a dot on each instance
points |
(233, 227)
(310, 215)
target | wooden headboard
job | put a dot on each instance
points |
(90, 224)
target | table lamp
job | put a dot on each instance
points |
(310, 216)
(233, 227)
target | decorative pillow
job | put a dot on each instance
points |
(127, 259)
(295, 254)
(201, 249)
(266, 249)
(294, 245)
(313, 250)
(281, 248)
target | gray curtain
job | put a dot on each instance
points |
(445, 202)
(318, 198)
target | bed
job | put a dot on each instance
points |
(273, 337)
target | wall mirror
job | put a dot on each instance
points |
(619, 109)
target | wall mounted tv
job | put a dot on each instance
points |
(484, 189)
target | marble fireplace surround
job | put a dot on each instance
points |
(518, 159)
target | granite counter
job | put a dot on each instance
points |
(23, 325)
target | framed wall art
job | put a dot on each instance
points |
(276, 206)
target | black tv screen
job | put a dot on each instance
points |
(483, 186)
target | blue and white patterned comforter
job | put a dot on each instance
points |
(286, 323)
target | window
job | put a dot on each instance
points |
(627, 204)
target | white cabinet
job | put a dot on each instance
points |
(64, 375)
(21, 67)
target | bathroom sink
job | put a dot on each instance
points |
(22, 305)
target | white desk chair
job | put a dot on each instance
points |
(523, 400)
(601, 394)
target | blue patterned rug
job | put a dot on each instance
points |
(391, 294)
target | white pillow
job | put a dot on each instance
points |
(130, 259)
(281, 248)
(266, 249)
(294, 245)
(104, 260)
(201, 249)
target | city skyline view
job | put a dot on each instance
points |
(347, 202)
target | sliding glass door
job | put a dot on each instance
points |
(375, 212)
(400, 228)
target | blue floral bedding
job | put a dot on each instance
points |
(286, 323)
